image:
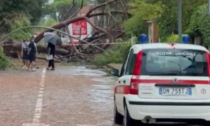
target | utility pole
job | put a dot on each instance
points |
(180, 19)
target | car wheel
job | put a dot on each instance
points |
(118, 118)
(128, 121)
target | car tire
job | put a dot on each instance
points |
(128, 121)
(118, 118)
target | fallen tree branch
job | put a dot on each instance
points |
(96, 43)
(70, 9)
(51, 29)
(14, 48)
(76, 12)
(100, 29)
(99, 6)
(105, 13)
(124, 9)
(58, 26)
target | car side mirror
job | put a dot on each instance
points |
(115, 72)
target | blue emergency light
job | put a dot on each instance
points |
(186, 39)
(143, 38)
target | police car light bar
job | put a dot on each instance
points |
(143, 38)
(186, 39)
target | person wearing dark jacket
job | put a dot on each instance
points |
(32, 54)
(51, 52)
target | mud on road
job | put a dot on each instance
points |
(71, 96)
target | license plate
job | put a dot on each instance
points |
(175, 91)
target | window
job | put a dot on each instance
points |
(174, 62)
(130, 63)
(123, 66)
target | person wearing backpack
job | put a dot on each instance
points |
(24, 54)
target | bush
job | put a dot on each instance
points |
(115, 54)
(4, 62)
(172, 39)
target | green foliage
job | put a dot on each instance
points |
(168, 20)
(205, 29)
(15, 21)
(58, 4)
(32, 8)
(115, 54)
(1, 4)
(196, 20)
(165, 14)
(48, 22)
(200, 24)
(50, 11)
(65, 8)
(4, 62)
(19, 13)
(172, 39)
(141, 12)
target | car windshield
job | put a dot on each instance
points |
(174, 62)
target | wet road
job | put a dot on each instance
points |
(69, 96)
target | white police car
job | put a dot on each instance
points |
(163, 82)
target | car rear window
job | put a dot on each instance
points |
(166, 62)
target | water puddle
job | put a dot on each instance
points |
(80, 70)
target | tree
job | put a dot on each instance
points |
(14, 21)
(200, 24)
(66, 8)
(141, 13)
(48, 22)
(168, 20)
(98, 32)
(32, 8)
(19, 13)
(1, 4)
